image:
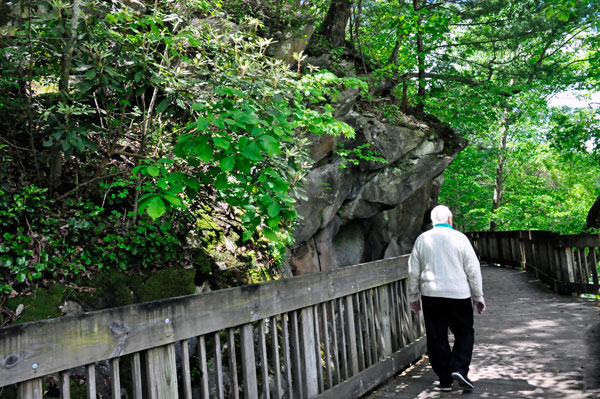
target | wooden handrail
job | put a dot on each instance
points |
(325, 330)
(568, 263)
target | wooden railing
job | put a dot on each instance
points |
(325, 335)
(567, 263)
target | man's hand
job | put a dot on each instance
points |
(479, 306)
(415, 306)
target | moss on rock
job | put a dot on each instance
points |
(167, 283)
(43, 303)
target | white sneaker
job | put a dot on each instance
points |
(463, 381)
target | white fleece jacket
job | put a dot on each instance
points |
(443, 264)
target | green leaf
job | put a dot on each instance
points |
(202, 149)
(270, 234)
(155, 207)
(270, 144)
(202, 124)
(243, 165)
(247, 235)
(152, 171)
(221, 142)
(162, 184)
(247, 117)
(273, 209)
(252, 152)
(221, 182)
(176, 201)
(274, 222)
(90, 74)
(162, 106)
(227, 164)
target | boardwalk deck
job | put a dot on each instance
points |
(530, 343)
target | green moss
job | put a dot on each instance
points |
(112, 288)
(167, 283)
(43, 303)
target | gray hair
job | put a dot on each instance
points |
(440, 214)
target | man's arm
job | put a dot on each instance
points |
(473, 270)
(414, 275)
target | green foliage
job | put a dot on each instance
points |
(357, 154)
(542, 189)
(48, 246)
(16, 256)
(247, 140)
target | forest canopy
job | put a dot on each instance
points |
(128, 125)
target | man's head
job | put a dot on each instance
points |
(441, 214)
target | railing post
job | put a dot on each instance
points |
(566, 263)
(31, 389)
(386, 328)
(248, 361)
(161, 372)
(309, 359)
(522, 252)
(351, 336)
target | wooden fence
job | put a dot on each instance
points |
(324, 335)
(567, 263)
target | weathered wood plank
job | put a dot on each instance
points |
(136, 376)
(90, 381)
(276, 359)
(367, 329)
(31, 389)
(161, 372)
(577, 241)
(264, 365)
(594, 261)
(359, 330)
(328, 359)
(319, 365)
(297, 385)
(233, 364)
(384, 314)
(203, 367)
(287, 357)
(219, 366)
(186, 374)
(334, 345)
(366, 380)
(373, 326)
(78, 340)
(309, 360)
(343, 347)
(248, 361)
(351, 337)
(65, 384)
(115, 378)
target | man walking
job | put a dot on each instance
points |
(444, 273)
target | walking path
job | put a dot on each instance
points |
(530, 343)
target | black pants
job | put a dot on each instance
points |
(456, 314)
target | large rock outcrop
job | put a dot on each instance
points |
(374, 210)
(593, 217)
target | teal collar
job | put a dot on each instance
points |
(443, 225)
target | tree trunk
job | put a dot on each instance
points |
(334, 25)
(420, 59)
(499, 176)
(56, 156)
